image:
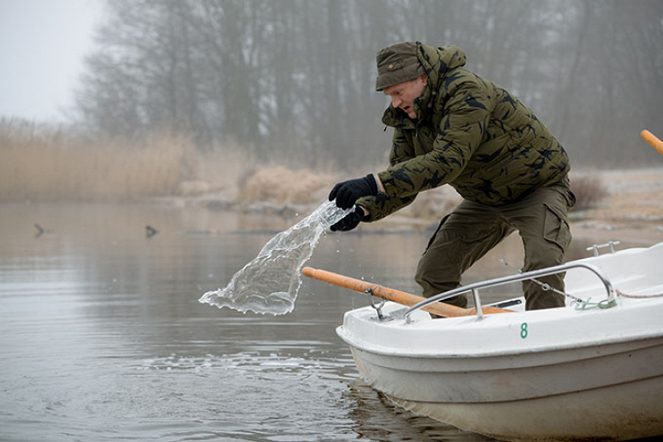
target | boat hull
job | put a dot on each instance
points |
(590, 371)
(546, 403)
(588, 414)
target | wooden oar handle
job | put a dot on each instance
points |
(653, 140)
(439, 308)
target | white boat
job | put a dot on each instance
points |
(590, 370)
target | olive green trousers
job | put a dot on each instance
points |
(472, 229)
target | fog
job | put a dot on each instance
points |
(297, 76)
(293, 80)
(42, 49)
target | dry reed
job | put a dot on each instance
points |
(50, 164)
(280, 185)
(588, 189)
(40, 163)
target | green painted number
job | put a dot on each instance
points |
(523, 330)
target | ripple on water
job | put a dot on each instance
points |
(266, 396)
(103, 338)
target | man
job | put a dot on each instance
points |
(453, 127)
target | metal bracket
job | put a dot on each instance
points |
(610, 244)
(377, 307)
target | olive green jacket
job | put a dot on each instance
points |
(470, 133)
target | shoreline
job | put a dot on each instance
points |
(631, 210)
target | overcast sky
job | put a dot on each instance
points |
(42, 47)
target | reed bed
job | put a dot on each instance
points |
(280, 185)
(52, 164)
(43, 163)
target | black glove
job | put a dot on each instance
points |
(349, 221)
(347, 192)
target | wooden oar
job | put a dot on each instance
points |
(439, 308)
(653, 140)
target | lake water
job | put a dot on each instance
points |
(102, 337)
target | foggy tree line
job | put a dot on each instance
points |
(296, 78)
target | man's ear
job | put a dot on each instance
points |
(424, 78)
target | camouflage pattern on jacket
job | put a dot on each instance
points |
(470, 133)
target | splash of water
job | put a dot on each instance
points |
(269, 283)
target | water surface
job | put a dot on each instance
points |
(102, 336)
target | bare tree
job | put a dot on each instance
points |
(295, 78)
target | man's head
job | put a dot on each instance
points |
(401, 76)
(396, 64)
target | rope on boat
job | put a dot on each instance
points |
(545, 286)
(580, 304)
(624, 295)
(603, 304)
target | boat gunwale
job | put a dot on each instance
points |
(476, 355)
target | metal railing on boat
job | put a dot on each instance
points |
(531, 275)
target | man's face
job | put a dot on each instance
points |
(403, 94)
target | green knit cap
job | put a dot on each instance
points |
(396, 64)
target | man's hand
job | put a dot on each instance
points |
(349, 221)
(347, 192)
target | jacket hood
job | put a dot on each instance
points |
(439, 61)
